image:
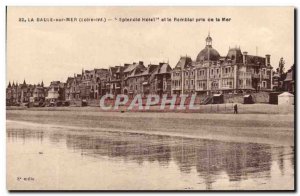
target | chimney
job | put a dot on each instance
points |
(245, 57)
(141, 63)
(268, 59)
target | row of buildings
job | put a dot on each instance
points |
(210, 73)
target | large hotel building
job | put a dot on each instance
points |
(212, 73)
(209, 74)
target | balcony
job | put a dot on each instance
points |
(201, 77)
(176, 87)
(265, 76)
(230, 75)
(256, 75)
(200, 88)
(216, 76)
(245, 74)
(227, 87)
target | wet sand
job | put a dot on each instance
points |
(69, 157)
(258, 128)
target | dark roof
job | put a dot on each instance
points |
(289, 77)
(208, 53)
(149, 69)
(130, 68)
(163, 68)
(183, 62)
(70, 80)
(256, 60)
(235, 54)
(137, 72)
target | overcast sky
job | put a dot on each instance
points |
(53, 51)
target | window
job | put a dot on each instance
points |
(241, 82)
(192, 82)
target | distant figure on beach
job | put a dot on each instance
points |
(235, 108)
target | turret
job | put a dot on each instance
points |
(245, 57)
(208, 40)
(268, 60)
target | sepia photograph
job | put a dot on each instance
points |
(150, 98)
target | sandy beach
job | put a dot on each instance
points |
(258, 128)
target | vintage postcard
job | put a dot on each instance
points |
(150, 98)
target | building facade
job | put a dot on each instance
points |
(19, 93)
(212, 73)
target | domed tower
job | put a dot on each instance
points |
(208, 40)
(208, 53)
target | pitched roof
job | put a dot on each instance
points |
(289, 76)
(119, 69)
(149, 69)
(164, 68)
(183, 62)
(136, 72)
(70, 80)
(130, 67)
(251, 59)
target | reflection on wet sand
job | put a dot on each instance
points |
(240, 161)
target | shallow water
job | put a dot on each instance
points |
(60, 159)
